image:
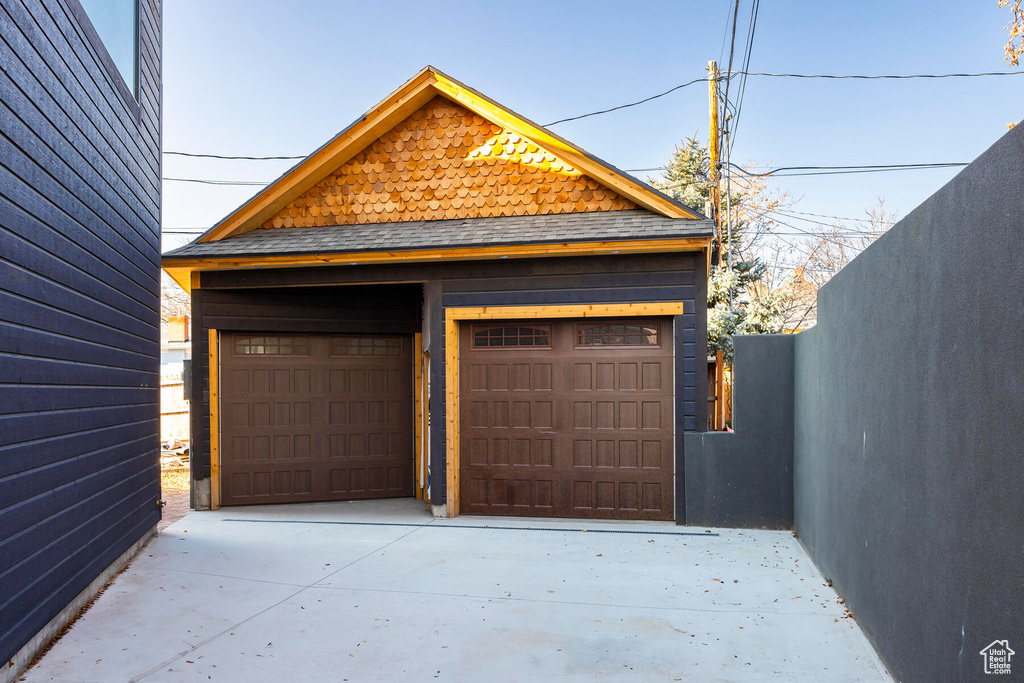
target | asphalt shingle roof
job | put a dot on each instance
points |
(595, 226)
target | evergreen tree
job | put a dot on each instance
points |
(733, 308)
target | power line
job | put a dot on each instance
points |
(223, 156)
(833, 229)
(743, 74)
(825, 215)
(732, 50)
(755, 7)
(876, 76)
(801, 171)
(838, 170)
(624, 106)
(206, 181)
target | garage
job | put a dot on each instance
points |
(546, 315)
(315, 417)
(567, 418)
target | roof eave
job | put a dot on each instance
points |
(181, 269)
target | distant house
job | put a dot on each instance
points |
(175, 349)
(175, 346)
(79, 305)
(451, 302)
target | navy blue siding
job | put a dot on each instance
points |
(79, 307)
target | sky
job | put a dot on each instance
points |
(270, 78)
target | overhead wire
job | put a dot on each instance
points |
(794, 216)
(224, 156)
(732, 51)
(839, 170)
(875, 76)
(748, 50)
(208, 181)
(626, 106)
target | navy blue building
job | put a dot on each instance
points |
(449, 301)
(80, 102)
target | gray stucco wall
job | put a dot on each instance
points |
(909, 427)
(745, 479)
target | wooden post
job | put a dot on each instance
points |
(417, 365)
(713, 141)
(719, 392)
(214, 368)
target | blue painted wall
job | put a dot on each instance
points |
(79, 307)
(909, 425)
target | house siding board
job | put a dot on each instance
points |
(467, 276)
(73, 88)
(79, 310)
(76, 559)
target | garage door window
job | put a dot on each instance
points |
(618, 334)
(511, 335)
(271, 346)
(366, 346)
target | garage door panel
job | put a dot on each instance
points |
(314, 424)
(567, 430)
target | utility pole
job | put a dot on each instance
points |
(714, 213)
(713, 136)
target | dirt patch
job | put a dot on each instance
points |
(174, 484)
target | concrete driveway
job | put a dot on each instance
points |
(379, 591)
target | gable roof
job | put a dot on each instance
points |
(423, 87)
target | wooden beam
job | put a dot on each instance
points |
(451, 372)
(214, 371)
(182, 276)
(566, 311)
(417, 374)
(425, 398)
(412, 95)
(178, 268)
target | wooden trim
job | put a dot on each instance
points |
(180, 269)
(395, 107)
(451, 373)
(425, 426)
(453, 315)
(214, 370)
(565, 311)
(417, 375)
(186, 278)
(413, 94)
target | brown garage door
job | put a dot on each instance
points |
(314, 418)
(567, 418)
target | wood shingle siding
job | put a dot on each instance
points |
(446, 162)
(79, 307)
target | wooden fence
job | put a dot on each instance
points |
(174, 411)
